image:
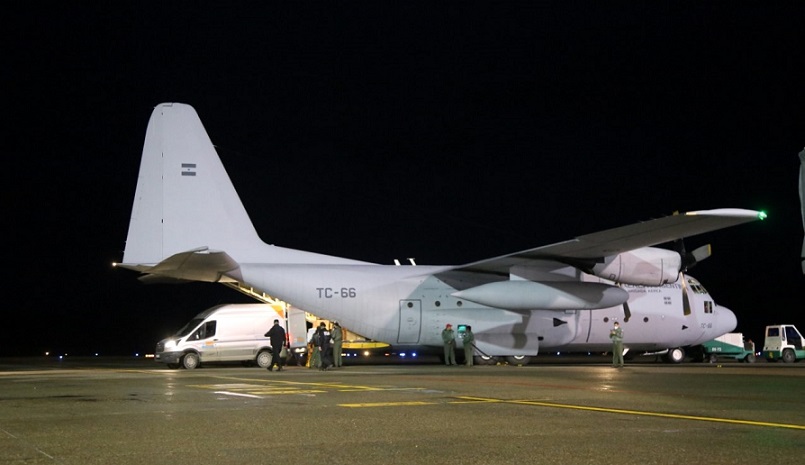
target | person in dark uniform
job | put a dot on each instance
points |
(469, 341)
(322, 342)
(277, 336)
(449, 340)
(337, 335)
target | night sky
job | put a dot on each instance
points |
(444, 131)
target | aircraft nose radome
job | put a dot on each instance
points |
(727, 322)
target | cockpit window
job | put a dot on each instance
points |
(697, 287)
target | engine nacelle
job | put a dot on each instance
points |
(553, 295)
(648, 266)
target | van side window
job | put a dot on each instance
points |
(206, 330)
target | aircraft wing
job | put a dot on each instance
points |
(614, 241)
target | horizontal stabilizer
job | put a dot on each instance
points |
(194, 265)
(156, 279)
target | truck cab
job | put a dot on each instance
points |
(783, 342)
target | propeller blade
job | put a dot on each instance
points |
(685, 299)
(701, 253)
(627, 313)
(691, 259)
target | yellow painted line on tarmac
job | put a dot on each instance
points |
(477, 400)
(638, 412)
(288, 391)
(388, 404)
(323, 385)
(277, 387)
(419, 402)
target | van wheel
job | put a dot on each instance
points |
(190, 360)
(485, 360)
(263, 359)
(789, 356)
(518, 360)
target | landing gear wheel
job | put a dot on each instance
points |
(713, 358)
(675, 355)
(190, 360)
(789, 356)
(518, 360)
(263, 359)
(750, 358)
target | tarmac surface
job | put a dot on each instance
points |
(558, 411)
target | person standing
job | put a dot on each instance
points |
(469, 342)
(277, 336)
(449, 340)
(338, 339)
(322, 342)
(616, 335)
(314, 359)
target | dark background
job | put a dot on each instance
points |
(444, 131)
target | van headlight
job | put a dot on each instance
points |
(170, 344)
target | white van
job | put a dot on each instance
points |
(224, 333)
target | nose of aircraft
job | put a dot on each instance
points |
(725, 321)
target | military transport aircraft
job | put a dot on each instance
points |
(188, 224)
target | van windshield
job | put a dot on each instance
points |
(190, 326)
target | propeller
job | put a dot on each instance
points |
(626, 312)
(685, 299)
(688, 261)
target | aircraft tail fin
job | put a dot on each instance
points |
(187, 221)
(184, 198)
